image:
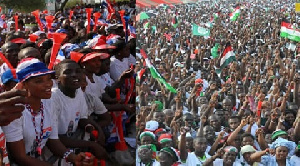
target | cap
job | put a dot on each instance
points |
(8, 76)
(277, 133)
(93, 55)
(31, 67)
(165, 138)
(247, 148)
(80, 57)
(61, 31)
(101, 45)
(151, 125)
(198, 81)
(18, 41)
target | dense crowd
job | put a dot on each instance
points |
(228, 95)
(66, 86)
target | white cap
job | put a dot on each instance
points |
(151, 125)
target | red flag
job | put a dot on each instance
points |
(169, 37)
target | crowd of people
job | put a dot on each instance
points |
(194, 110)
(64, 86)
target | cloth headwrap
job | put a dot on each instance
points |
(284, 142)
(170, 150)
(278, 133)
(147, 133)
(159, 130)
(230, 149)
(199, 81)
(150, 147)
(165, 138)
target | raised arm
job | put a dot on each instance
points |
(256, 157)
(182, 145)
(234, 134)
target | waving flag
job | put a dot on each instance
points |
(155, 74)
(146, 25)
(109, 7)
(168, 36)
(175, 22)
(214, 51)
(228, 56)
(235, 14)
(200, 31)
(289, 31)
(214, 17)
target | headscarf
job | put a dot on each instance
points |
(171, 151)
(286, 143)
(165, 138)
(230, 149)
(147, 133)
(150, 147)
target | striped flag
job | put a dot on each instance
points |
(140, 76)
(289, 31)
(109, 7)
(146, 25)
(235, 14)
(175, 22)
(228, 56)
(214, 17)
(155, 74)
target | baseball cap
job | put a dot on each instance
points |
(80, 57)
(8, 76)
(151, 125)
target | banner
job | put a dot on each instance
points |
(297, 7)
(200, 31)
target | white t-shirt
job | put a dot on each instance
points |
(69, 110)
(23, 128)
(96, 88)
(106, 79)
(117, 67)
(131, 60)
(3, 148)
(219, 162)
(192, 159)
(94, 104)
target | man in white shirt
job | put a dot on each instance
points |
(193, 158)
(119, 62)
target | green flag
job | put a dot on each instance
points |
(146, 25)
(153, 28)
(200, 31)
(214, 51)
(175, 25)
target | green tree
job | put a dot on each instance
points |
(24, 6)
(72, 3)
